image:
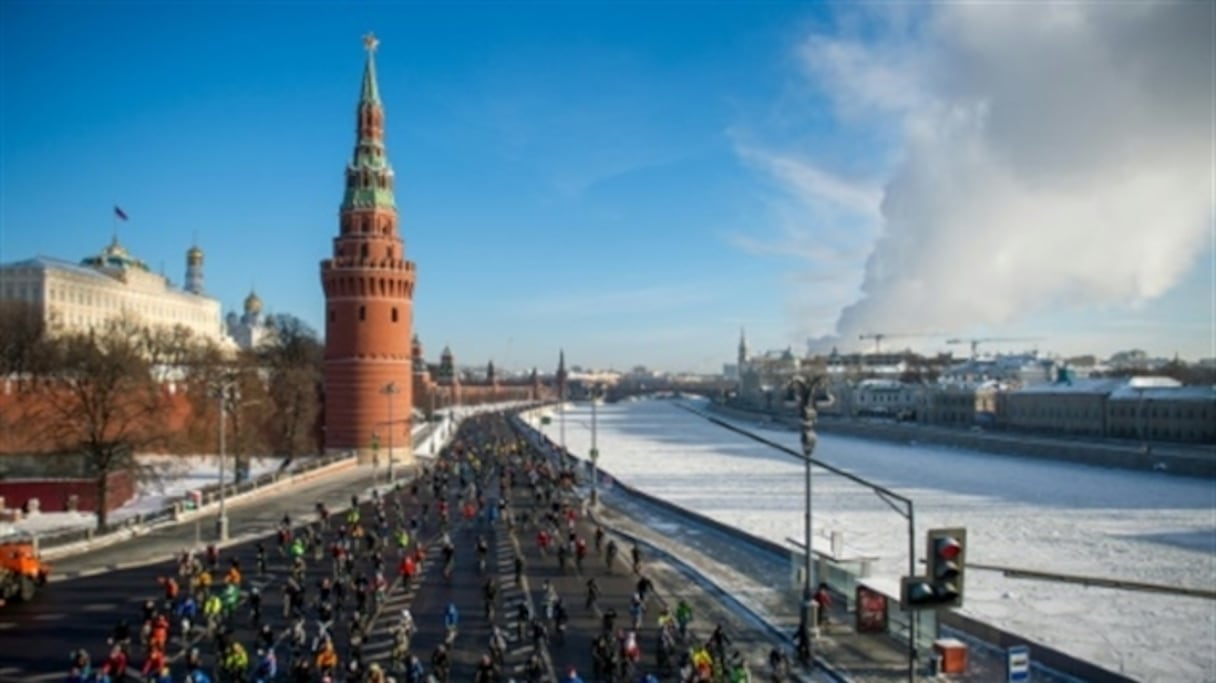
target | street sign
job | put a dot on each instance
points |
(1017, 664)
(545, 419)
(595, 454)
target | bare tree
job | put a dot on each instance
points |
(207, 372)
(99, 398)
(291, 359)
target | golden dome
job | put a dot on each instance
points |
(194, 255)
(252, 303)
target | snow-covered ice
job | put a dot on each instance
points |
(1019, 512)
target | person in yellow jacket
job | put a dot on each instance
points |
(236, 661)
(213, 606)
(703, 663)
(666, 621)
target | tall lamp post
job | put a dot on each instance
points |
(595, 452)
(221, 523)
(390, 390)
(561, 417)
(804, 391)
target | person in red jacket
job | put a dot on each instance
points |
(823, 598)
(154, 663)
(117, 663)
(408, 568)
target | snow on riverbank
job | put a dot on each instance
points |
(1019, 512)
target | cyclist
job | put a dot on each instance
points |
(482, 550)
(268, 666)
(593, 592)
(449, 559)
(489, 593)
(451, 618)
(440, 663)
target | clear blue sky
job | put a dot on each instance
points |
(619, 179)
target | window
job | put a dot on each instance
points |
(394, 314)
(362, 314)
(363, 251)
(332, 315)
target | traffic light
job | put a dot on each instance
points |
(947, 550)
(942, 586)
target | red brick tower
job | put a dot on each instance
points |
(369, 290)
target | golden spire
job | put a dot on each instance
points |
(370, 42)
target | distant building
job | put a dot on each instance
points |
(1062, 407)
(77, 297)
(1144, 408)
(962, 404)
(888, 398)
(251, 329)
(1147, 408)
(1022, 369)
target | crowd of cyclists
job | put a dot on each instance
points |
(208, 620)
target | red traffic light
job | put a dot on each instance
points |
(948, 548)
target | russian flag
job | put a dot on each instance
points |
(119, 212)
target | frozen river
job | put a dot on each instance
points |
(1035, 514)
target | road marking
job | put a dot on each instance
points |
(98, 607)
(52, 616)
(4, 626)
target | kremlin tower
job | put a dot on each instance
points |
(369, 290)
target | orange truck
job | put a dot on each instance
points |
(21, 570)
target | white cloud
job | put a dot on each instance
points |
(1053, 156)
(823, 220)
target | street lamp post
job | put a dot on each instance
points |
(221, 523)
(561, 416)
(804, 391)
(391, 389)
(595, 453)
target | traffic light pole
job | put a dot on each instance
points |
(900, 504)
(913, 615)
(595, 453)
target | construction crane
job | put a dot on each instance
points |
(975, 343)
(879, 336)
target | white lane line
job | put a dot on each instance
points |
(99, 607)
(50, 616)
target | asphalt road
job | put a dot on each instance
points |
(36, 638)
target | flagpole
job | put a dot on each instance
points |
(114, 221)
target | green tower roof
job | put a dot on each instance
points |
(370, 92)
